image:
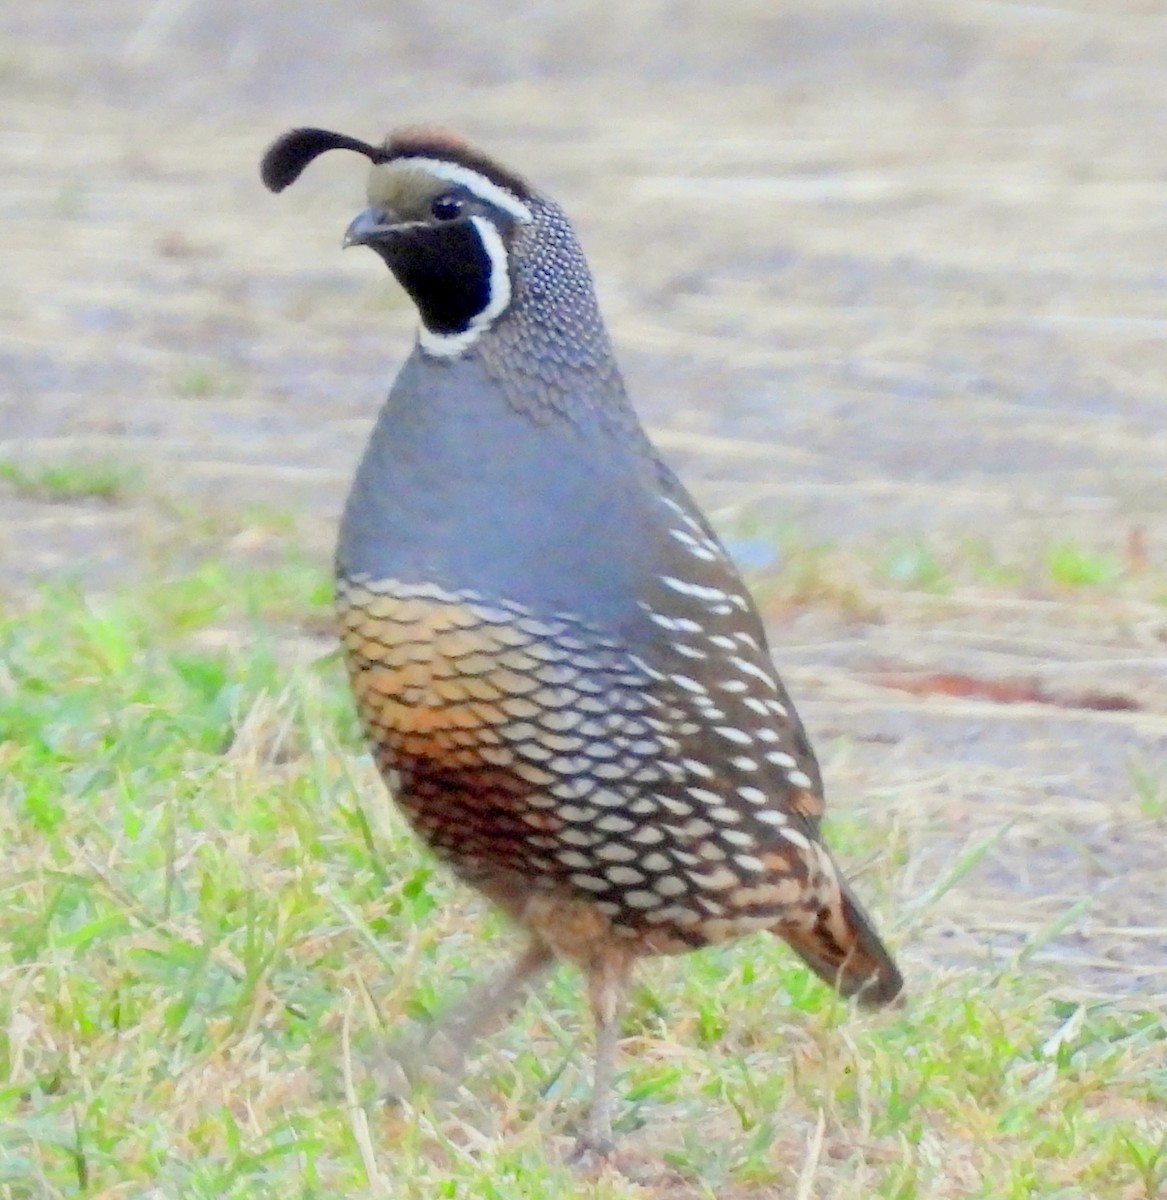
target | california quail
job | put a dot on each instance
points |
(566, 686)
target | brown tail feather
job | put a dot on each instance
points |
(842, 947)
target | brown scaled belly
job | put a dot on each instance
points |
(526, 755)
(445, 696)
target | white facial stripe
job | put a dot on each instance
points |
(473, 181)
(450, 345)
(447, 345)
(500, 276)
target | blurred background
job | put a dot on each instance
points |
(888, 283)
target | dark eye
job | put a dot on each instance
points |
(446, 207)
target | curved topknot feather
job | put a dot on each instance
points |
(291, 152)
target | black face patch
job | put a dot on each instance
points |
(445, 269)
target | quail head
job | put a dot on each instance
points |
(565, 684)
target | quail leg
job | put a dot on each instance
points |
(607, 991)
(440, 1056)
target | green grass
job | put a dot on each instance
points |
(916, 566)
(69, 482)
(862, 581)
(1072, 565)
(211, 920)
(1149, 788)
(202, 381)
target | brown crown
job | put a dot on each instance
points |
(430, 142)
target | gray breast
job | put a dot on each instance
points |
(460, 488)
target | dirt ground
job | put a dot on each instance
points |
(876, 271)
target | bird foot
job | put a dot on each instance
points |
(393, 1078)
(433, 1065)
(591, 1154)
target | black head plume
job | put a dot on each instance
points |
(291, 152)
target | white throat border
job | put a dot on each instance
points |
(452, 345)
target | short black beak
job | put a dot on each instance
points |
(370, 226)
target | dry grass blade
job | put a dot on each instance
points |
(358, 1118)
(810, 1165)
